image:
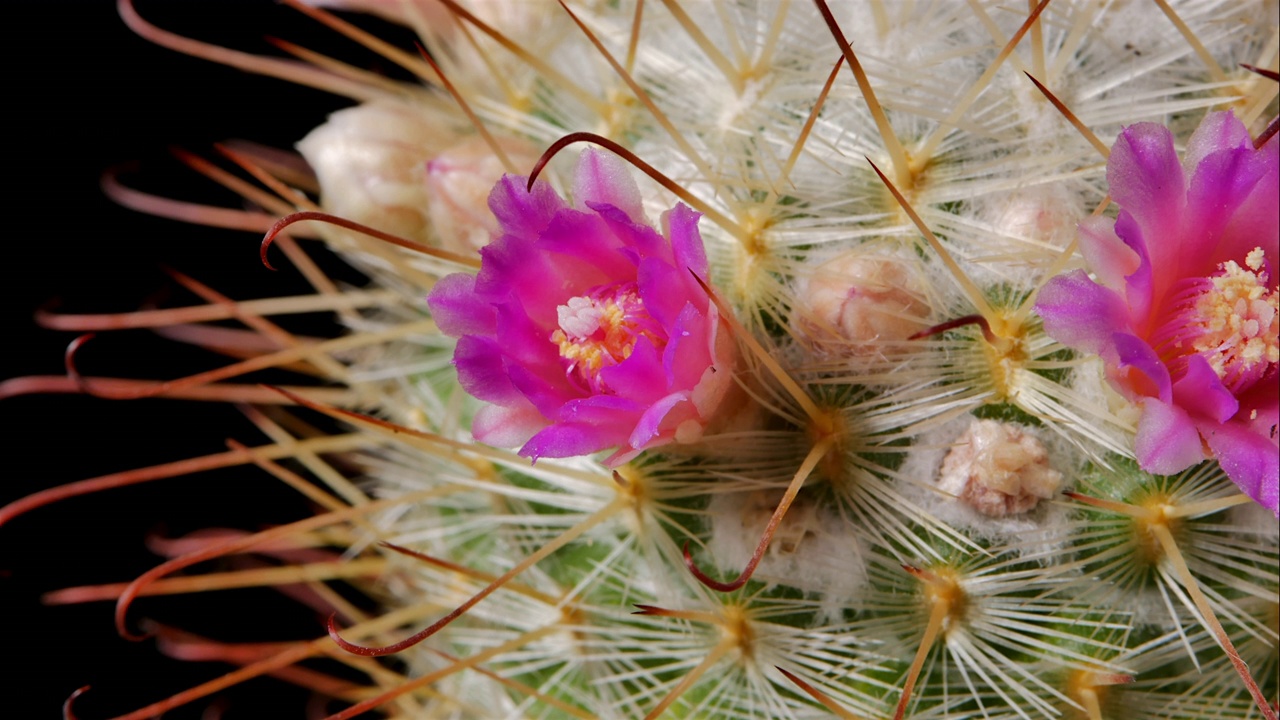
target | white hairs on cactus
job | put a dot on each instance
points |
(803, 444)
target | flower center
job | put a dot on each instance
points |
(1236, 320)
(600, 329)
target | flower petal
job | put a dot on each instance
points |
(1145, 374)
(513, 268)
(1200, 392)
(456, 308)
(1081, 314)
(1218, 131)
(686, 242)
(1254, 223)
(651, 424)
(1167, 441)
(583, 253)
(661, 290)
(482, 372)
(1250, 460)
(603, 178)
(1260, 408)
(585, 426)
(640, 377)
(688, 353)
(548, 394)
(578, 240)
(1140, 285)
(1222, 183)
(636, 241)
(506, 426)
(1145, 178)
(523, 212)
(1109, 257)
(564, 440)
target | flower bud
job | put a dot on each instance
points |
(370, 163)
(998, 469)
(458, 183)
(859, 297)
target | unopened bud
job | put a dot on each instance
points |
(857, 298)
(370, 160)
(998, 469)
(458, 183)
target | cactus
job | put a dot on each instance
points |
(895, 481)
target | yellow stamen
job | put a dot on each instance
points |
(1240, 318)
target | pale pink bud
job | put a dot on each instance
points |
(998, 469)
(857, 298)
(370, 161)
(458, 182)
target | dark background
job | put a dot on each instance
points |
(85, 94)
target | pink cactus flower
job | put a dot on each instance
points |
(585, 328)
(1183, 310)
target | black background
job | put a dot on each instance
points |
(84, 94)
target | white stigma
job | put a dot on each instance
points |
(580, 317)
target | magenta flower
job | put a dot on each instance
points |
(585, 329)
(1184, 308)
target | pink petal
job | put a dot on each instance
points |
(1145, 178)
(686, 242)
(618, 414)
(456, 308)
(523, 339)
(624, 455)
(1081, 314)
(602, 177)
(651, 423)
(521, 212)
(688, 354)
(1260, 407)
(640, 377)
(1167, 441)
(1250, 460)
(582, 253)
(506, 426)
(482, 372)
(548, 394)
(1201, 392)
(1105, 253)
(1221, 184)
(585, 426)
(1141, 288)
(587, 254)
(1254, 223)
(1146, 373)
(661, 290)
(1218, 131)
(508, 267)
(716, 379)
(565, 440)
(533, 362)
(637, 241)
